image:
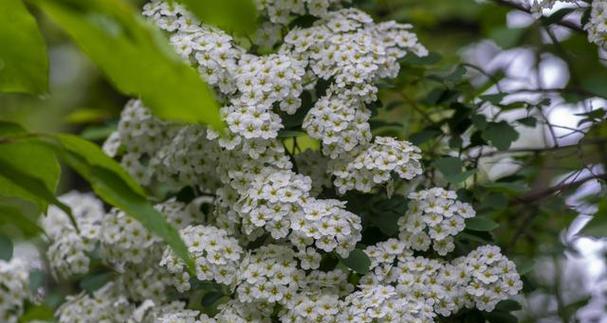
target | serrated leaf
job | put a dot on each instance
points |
(23, 59)
(481, 223)
(136, 58)
(500, 134)
(358, 261)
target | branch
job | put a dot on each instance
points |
(517, 6)
(540, 150)
(535, 196)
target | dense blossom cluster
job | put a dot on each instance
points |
(70, 246)
(14, 284)
(267, 226)
(597, 24)
(215, 254)
(434, 217)
(433, 287)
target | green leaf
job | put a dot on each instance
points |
(29, 170)
(597, 226)
(423, 136)
(239, 16)
(525, 266)
(557, 16)
(449, 165)
(36, 279)
(451, 168)
(508, 305)
(431, 58)
(37, 313)
(23, 60)
(111, 183)
(358, 261)
(6, 248)
(500, 134)
(136, 58)
(507, 37)
(528, 121)
(481, 223)
(13, 216)
(94, 281)
(500, 317)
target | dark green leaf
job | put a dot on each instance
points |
(36, 279)
(431, 58)
(525, 266)
(481, 223)
(451, 168)
(528, 121)
(449, 165)
(597, 226)
(94, 281)
(358, 261)
(23, 60)
(495, 99)
(6, 248)
(508, 305)
(423, 136)
(500, 134)
(14, 217)
(507, 37)
(500, 317)
(136, 58)
(557, 16)
(29, 170)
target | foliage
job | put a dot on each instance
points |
(493, 143)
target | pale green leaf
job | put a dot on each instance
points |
(23, 59)
(136, 58)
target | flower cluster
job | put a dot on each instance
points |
(492, 277)
(68, 252)
(269, 274)
(375, 166)
(266, 225)
(107, 304)
(597, 24)
(434, 216)
(481, 279)
(280, 12)
(14, 283)
(215, 254)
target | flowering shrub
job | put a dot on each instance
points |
(269, 227)
(298, 210)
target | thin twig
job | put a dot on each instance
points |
(568, 24)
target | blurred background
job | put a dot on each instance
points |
(556, 85)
